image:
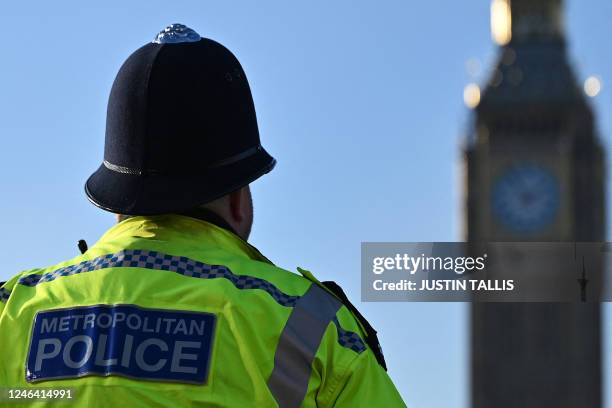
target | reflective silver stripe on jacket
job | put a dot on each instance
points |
(298, 344)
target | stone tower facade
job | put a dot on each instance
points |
(534, 172)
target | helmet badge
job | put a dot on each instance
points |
(176, 33)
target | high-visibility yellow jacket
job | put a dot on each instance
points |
(175, 311)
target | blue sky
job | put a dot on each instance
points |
(360, 102)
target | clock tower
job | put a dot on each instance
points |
(534, 172)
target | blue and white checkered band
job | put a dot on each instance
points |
(349, 339)
(4, 294)
(142, 258)
(176, 33)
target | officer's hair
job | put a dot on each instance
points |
(215, 205)
(121, 217)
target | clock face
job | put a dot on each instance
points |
(526, 198)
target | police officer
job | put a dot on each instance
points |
(172, 306)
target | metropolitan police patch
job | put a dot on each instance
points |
(124, 340)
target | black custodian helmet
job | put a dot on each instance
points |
(181, 128)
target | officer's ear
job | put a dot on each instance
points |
(240, 205)
(236, 202)
(241, 210)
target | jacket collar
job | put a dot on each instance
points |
(183, 229)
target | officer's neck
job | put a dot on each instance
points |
(208, 215)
